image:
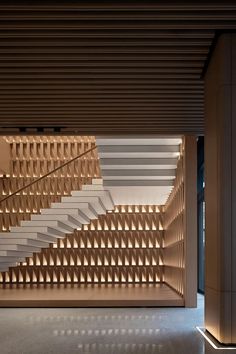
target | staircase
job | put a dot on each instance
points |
(138, 170)
(53, 223)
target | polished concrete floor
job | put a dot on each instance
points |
(103, 330)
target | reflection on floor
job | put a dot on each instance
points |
(103, 330)
(92, 296)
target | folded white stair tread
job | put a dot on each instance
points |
(75, 213)
(94, 187)
(11, 259)
(4, 269)
(85, 207)
(9, 264)
(53, 223)
(95, 202)
(80, 205)
(66, 219)
(42, 229)
(19, 254)
(22, 248)
(29, 235)
(97, 181)
(56, 224)
(104, 195)
(23, 241)
(4, 266)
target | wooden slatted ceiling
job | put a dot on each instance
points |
(106, 67)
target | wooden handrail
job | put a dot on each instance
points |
(49, 173)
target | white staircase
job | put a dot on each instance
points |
(139, 170)
(53, 223)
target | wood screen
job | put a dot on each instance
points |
(123, 246)
(132, 244)
(34, 156)
(180, 226)
(120, 247)
(173, 243)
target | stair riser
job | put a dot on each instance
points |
(56, 224)
(27, 242)
(82, 220)
(40, 229)
(20, 248)
(57, 228)
(104, 196)
(80, 217)
(89, 212)
(15, 254)
(4, 269)
(96, 205)
(7, 264)
(92, 187)
(66, 219)
(32, 236)
(11, 259)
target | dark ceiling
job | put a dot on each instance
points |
(107, 67)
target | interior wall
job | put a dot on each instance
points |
(34, 156)
(124, 246)
(180, 226)
(173, 243)
(132, 244)
(120, 247)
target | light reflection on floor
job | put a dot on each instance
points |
(103, 330)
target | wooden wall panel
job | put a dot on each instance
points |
(173, 243)
(180, 227)
(132, 244)
(124, 246)
(4, 156)
(34, 156)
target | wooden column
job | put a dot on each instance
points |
(190, 220)
(220, 191)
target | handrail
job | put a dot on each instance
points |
(47, 174)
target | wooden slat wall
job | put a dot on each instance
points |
(132, 244)
(180, 226)
(124, 246)
(173, 243)
(34, 156)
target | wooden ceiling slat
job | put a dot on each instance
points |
(145, 33)
(98, 42)
(30, 72)
(103, 56)
(49, 65)
(185, 23)
(167, 95)
(107, 67)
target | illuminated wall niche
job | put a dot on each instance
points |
(132, 244)
(34, 156)
(124, 246)
(173, 241)
(121, 247)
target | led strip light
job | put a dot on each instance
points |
(212, 343)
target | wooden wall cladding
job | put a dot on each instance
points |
(123, 246)
(173, 243)
(34, 156)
